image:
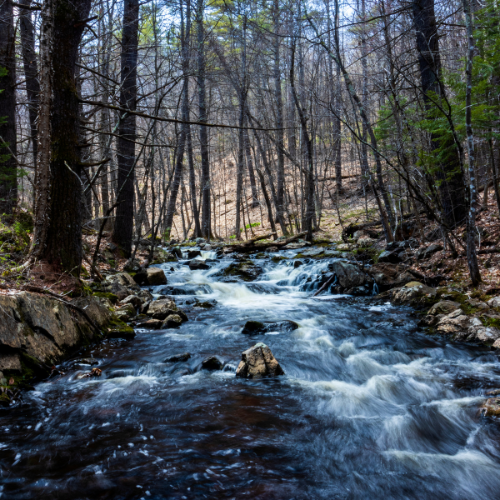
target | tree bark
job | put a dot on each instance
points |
(179, 160)
(58, 213)
(124, 221)
(280, 172)
(8, 143)
(202, 108)
(470, 187)
(30, 72)
(450, 176)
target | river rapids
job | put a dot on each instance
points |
(370, 407)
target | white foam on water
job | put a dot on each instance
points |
(382, 307)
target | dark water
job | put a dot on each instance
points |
(370, 408)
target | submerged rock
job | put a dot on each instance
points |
(212, 363)
(206, 304)
(255, 327)
(176, 358)
(246, 270)
(257, 362)
(198, 265)
(193, 254)
(186, 289)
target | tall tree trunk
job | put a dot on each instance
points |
(251, 173)
(335, 99)
(242, 95)
(365, 168)
(124, 221)
(105, 118)
(470, 187)
(451, 186)
(280, 173)
(58, 214)
(309, 181)
(202, 109)
(189, 143)
(8, 146)
(386, 214)
(179, 160)
(30, 72)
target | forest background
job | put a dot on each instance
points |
(129, 121)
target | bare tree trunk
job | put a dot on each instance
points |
(30, 72)
(8, 140)
(179, 160)
(280, 177)
(309, 184)
(451, 185)
(124, 221)
(470, 188)
(251, 173)
(242, 91)
(58, 214)
(202, 108)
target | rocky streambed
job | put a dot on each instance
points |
(240, 382)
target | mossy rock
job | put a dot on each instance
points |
(278, 258)
(31, 369)
(321, 242)
(107, 295)
(118, 329)
(491, 322)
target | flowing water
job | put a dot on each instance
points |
(370, 407)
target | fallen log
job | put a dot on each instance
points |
(252, 246)
(330, 280)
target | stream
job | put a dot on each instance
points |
(370, 407)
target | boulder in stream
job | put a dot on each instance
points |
(212, 363)
(388, 276)
(349, 275)
(160, 309)
(172, 321)
(258, 362)
(126, 312)
(155, 276)
(244, 269)
(177, 358)
(256, 327)
(193, 254)
(151, 324)
(198, 265)
(132, 299)
(491, 408)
